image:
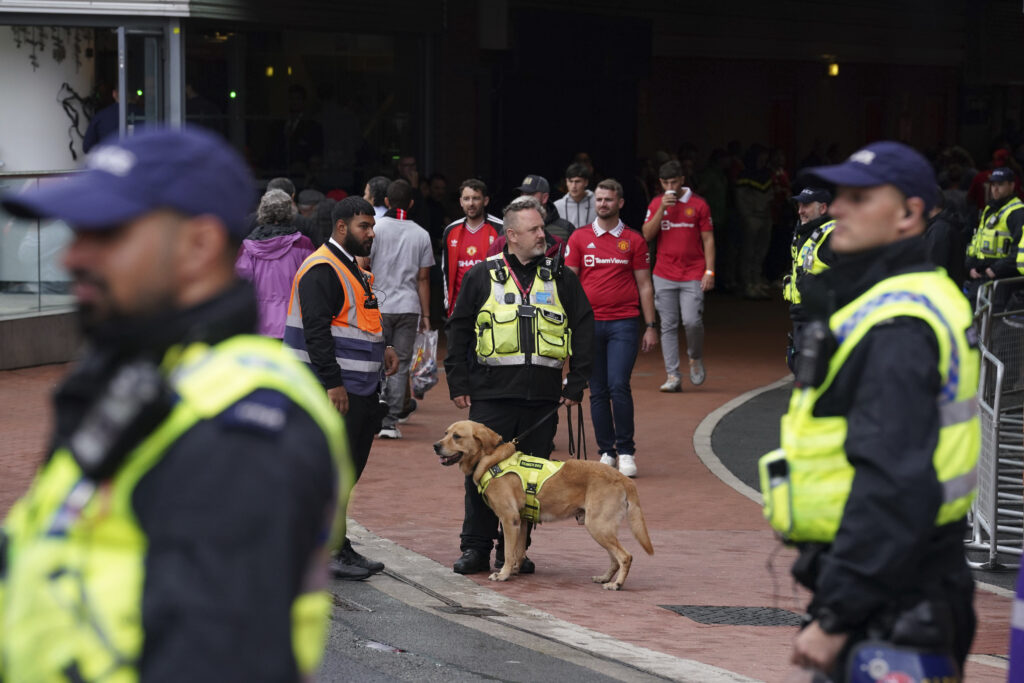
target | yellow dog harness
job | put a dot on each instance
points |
(533, 472)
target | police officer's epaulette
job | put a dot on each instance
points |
(264, 410)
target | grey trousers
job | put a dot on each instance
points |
(675, 300)
(399, 332)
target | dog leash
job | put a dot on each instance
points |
(580, 442)
(536, 424)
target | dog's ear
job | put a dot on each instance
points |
(488, 438)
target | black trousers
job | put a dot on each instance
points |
(362, 422)
(509, 418)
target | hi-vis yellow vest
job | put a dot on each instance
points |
(992, 238)
(70, 600)
(806, 260)
(533, 472)
(806, 482)
(506, 311)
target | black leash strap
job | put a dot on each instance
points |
(579, 446)
(536, 424)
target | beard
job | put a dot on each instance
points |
(355, 246)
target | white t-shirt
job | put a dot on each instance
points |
(400, 249)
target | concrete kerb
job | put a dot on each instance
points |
(702, 439)
(702, 445)
(448, 587)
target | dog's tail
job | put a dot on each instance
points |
(636, 517)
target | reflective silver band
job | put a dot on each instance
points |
(958, 487)
(958, 411)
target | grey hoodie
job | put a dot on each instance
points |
(578, 213)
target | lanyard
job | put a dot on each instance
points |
(400, 214)
(525, 291)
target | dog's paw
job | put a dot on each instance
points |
(605, 578)
(497, 576)
(612, 586)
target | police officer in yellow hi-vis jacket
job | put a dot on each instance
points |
(177, 529)
(877, 466)
(519, 318)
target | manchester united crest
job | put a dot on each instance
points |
(623, 246)
(690, 213)
(471, 250)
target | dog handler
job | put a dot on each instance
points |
(518, 317)
(880, 443)
(177, 529)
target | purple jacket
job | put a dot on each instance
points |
(271, 265)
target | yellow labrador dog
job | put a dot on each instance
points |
(595, 494)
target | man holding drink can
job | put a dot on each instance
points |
(679, 222)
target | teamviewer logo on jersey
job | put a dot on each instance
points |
(588, 260)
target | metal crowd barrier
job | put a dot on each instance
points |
(997, 516)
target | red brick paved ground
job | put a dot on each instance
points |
(711, 545)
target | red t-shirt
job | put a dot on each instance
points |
(680, 248)
(606, 263)
(472, 250)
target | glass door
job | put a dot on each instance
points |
(141, 77)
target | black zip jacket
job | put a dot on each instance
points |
(467, 377)
(234, 508)
(887, 554)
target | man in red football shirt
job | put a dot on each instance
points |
(680, 222)
(466, 240)
(613, 265)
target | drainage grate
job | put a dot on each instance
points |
(737, 616)
(469, 611)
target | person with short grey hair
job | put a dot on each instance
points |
(276, 208)
(270, 256)
(554, 245)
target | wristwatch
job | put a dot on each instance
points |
(652, 325)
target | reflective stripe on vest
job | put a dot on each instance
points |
(991, 239)
(507, 317)
(805, 483)
(533, 472)
(357, 331)
(71, 598)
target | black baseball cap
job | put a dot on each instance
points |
(809, 195)
(188, 170)
(884, 163)
(534, 183)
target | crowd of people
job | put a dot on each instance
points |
(879, 446)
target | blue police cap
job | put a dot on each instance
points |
(192, 171)
(809, 195)
(1002, 175)
(884, 163)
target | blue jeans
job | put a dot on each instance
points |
(616, 343)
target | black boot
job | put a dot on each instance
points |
(473, 561)
(349, 556)
(345, 571)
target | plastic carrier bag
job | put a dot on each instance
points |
(423, 369)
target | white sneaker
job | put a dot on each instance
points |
(697, 371)
(607, 460)
(671, 385)
(389, 433)
(627, 465)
